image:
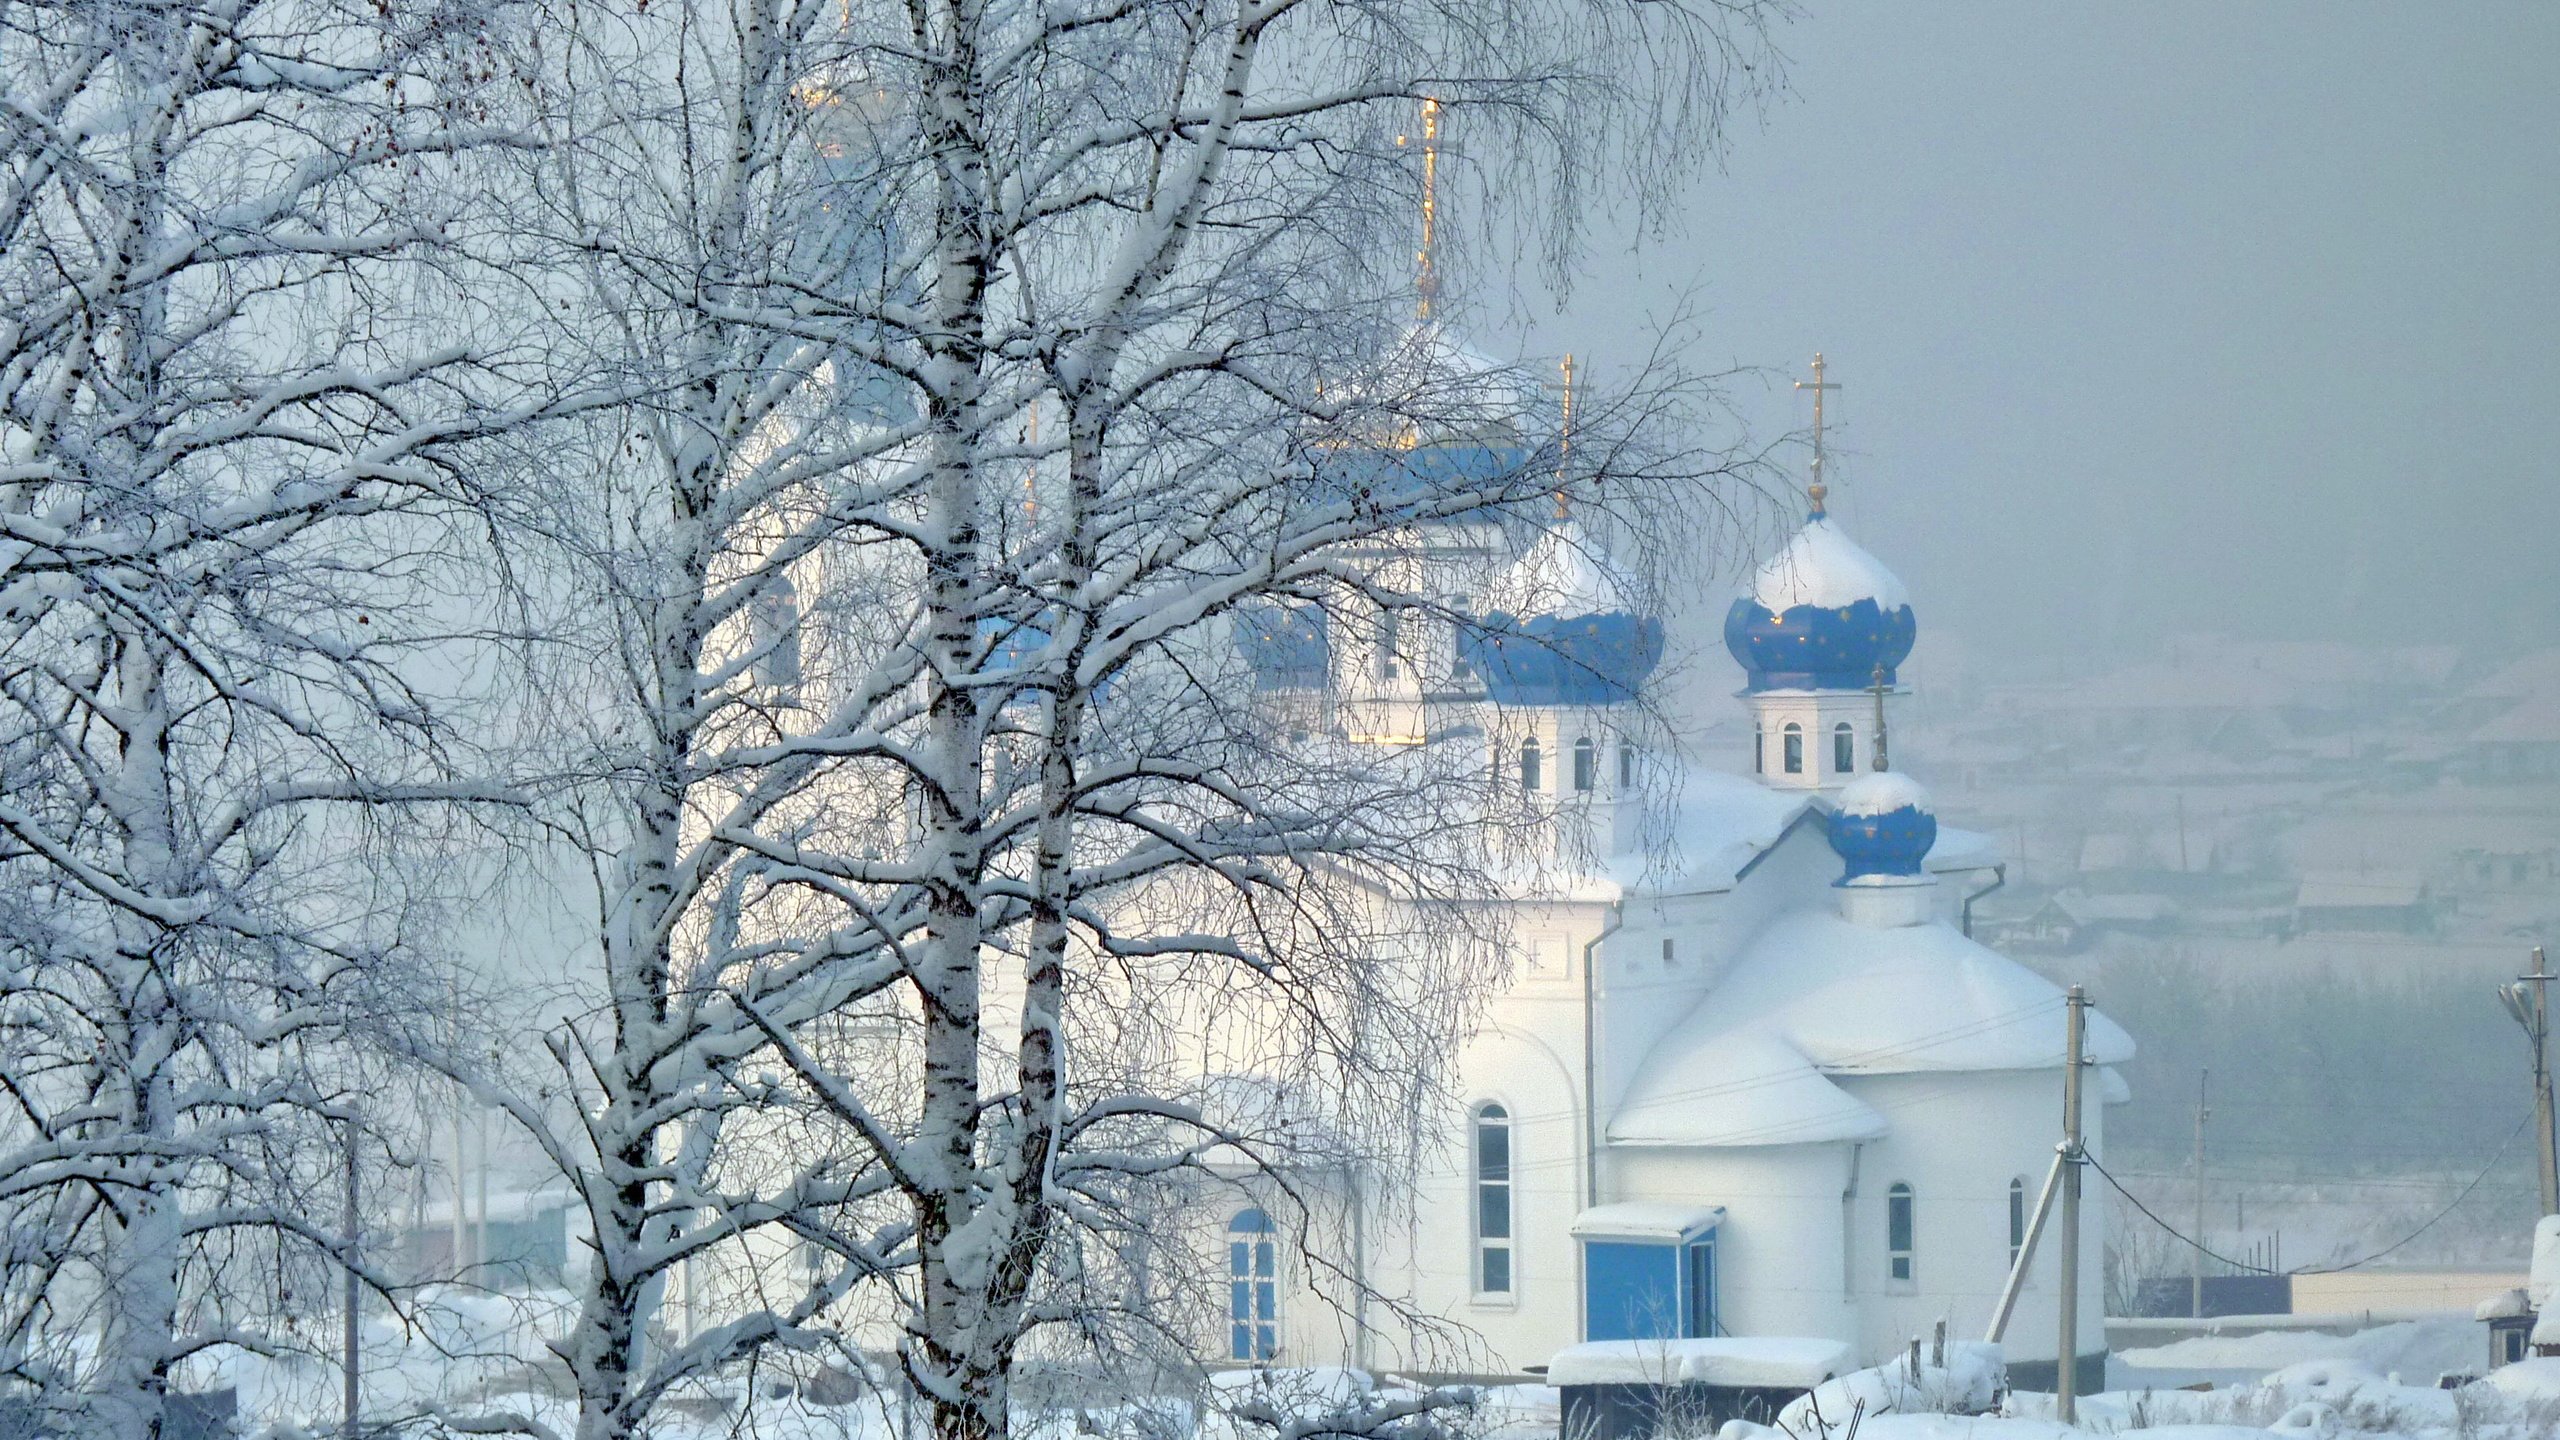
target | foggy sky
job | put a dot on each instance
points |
(2153, 318)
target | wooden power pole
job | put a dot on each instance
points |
(2066, 1361)
(2195, 1256)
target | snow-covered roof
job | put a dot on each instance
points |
(1756, 1362)
(1814, 995)
(2535, 722)
(1745, 1088)
(1823, 567)
(1647, 1220)
(1719, 823)
(2384, 889)
(2507, 1304)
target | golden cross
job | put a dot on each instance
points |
(1427, 283)
(1817, 385)
(1877, 689)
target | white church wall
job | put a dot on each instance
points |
(1958, 1140)
(1778, 1252)
(1530, 1066)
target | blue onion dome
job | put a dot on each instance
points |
(1881, 824)
(1563, 628)
(1286, 646)
(1822, 615)
(1431, 416)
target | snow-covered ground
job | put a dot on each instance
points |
(476, 1357)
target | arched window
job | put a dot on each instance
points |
(1626, 766)
(1793, 739)
(2017, 1219)
(1897, 1231)
(1493, 1200)
(1253, 1289)
(1529, 758)
(1759, 750)
(1586, 765)
(1844, 748)
(1390, 633)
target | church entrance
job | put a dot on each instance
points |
(1649, 1271)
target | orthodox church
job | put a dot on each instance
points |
(1751, 1076)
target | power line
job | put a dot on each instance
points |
(2202, 1249)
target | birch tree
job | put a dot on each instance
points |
(988, 360)
(234, 354)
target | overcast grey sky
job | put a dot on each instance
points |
(2156, 317)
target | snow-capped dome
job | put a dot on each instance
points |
(1822, 614)
(1433, 373)
(1564, 572)
(1563, 627)
(1882, 826)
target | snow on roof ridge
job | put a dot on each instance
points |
(1824, 567)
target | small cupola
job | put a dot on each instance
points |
(1882, 828)
(1822, 614)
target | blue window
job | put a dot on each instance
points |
(1793, 739)
(1530, 763)
(1493, 1200)
(1844, 748)
(1586, 764)
(1253, 1292)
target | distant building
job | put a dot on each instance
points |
(2380, 902)
(2522, 744)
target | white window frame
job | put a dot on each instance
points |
(1484, 1115)
(1253, 1287)
(1901, 1263)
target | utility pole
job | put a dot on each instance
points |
(2195, 1259)
(2067, 1331)
(2532, 1010)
